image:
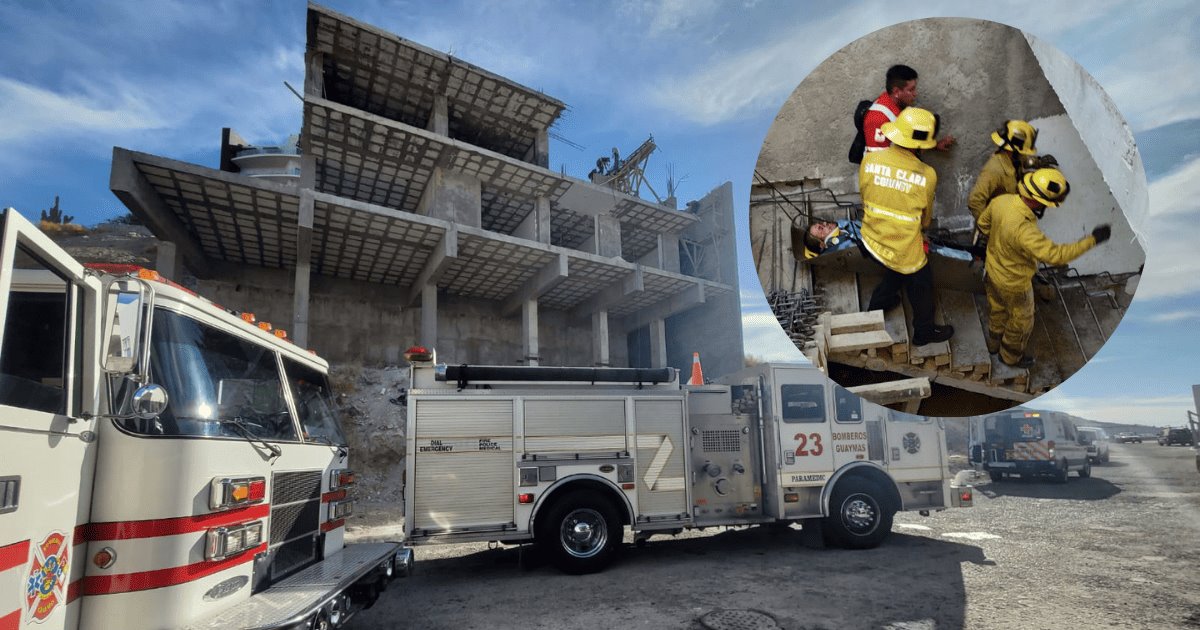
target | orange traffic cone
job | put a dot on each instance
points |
(697, 373)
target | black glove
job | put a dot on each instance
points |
(1046, 161)
(1102, 233)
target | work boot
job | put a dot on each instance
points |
(993, 343)
(1024, 363)
(933, 335)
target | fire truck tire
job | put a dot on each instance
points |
(860, 514)
(1086, 471)
(996, 476)
(581, 533)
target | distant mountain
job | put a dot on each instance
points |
(1165, 148)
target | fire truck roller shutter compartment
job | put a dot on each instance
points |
(570, 428)
(662, 492)
(459, 440)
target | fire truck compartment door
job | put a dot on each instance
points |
(463, 464)
(48, 378)
(803, 406)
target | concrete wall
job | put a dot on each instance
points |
(356, 322)
(992, 75)
(714, 329)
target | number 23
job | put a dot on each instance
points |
(803, 439)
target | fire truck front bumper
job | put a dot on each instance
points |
(326, 594)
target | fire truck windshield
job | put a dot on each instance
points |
(220, 385)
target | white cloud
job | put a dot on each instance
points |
(764, 338)
(1172, 262)
(1152, 411)
(32, 113)
(1173, 316)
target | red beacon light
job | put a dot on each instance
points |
(419, 354)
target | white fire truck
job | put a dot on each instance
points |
(566, 457)
(164, 462)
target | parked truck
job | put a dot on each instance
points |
(165, 462)
(567, 458)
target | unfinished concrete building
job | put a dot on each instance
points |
(975, 74)
(425, 212)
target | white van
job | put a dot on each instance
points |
(1027, 443)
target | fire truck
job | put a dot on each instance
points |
(568, 457)
(165, 462)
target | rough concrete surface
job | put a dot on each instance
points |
(1116, 550)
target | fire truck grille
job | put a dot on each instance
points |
(722, 441)
(293, 521)
(290, 487)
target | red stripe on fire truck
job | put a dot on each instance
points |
(14, 555)
(11, 621)
(125, 530)
(336, 495)
(159, 578)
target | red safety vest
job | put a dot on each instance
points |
(884, 109)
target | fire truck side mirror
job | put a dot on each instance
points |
(127, 304)
(149, 401)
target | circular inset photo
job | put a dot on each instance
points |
(942, 217)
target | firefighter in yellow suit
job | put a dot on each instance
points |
(1015, 247)
(999, 174)
(897, 193)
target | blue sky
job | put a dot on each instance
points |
(705, 77)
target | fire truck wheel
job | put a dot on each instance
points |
(581, 533)
(860, 514)
(996, 476)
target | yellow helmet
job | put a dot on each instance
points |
(1046, 186)
(1017, 135)
(914, 128)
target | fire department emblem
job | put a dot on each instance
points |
(46, 587)
(912, 443)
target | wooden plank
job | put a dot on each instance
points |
(892, 392)
(859, 341)
(838, 288)
(968, 346)
(857, 322)
(931, 350)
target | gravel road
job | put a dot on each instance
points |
(1119, 550)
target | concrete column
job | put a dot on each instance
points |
(529, 331)
(658, 343)
(600, 338)
(439, 117)
(303, 275)
(453, 197)
(541, 148)
(665, 255)
(606, 237)
(169, 263)
(429, 316)
(314, 74)
(536, 226)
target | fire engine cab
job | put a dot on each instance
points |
(567, 457)
(165, 462)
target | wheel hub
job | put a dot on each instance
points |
(859, 514)
(584, 533)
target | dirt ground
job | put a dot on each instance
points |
(1118, 550)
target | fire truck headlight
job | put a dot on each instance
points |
(340, 509)
(224, 542)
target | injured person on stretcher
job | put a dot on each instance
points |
(838, 244)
